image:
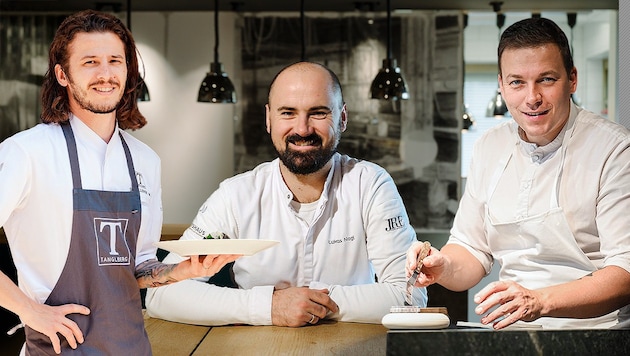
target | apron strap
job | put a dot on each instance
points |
(130, 167)
(72, 153)
(498, 172)
(74, 158)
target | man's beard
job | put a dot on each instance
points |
(80, 96)
(303, 163)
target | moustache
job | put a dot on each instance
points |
(312, 140)
(110, 82)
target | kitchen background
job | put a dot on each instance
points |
(416, 140)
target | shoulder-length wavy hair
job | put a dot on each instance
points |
(55, 101)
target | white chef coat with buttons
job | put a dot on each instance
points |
(36, 195)
(360, 230)
(585, 171)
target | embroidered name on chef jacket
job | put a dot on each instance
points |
(395, 223)
(338, 241)
(198, 230)
(111, 242)
(142, 186)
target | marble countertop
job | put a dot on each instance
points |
(468, 341)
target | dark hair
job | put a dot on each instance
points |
(335, 80)
(535, 32)
(55, 101)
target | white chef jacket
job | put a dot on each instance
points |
(593, 190)
(36, 196)
(360, 229)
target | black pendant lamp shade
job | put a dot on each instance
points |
(389, 83)
(142, 91)
(216, 87)
(497, 107)
(467, 119)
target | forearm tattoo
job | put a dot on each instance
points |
(153, 273)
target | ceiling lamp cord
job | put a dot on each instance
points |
(497, 107)
(572, 20)
(142, 91)
(467, 118)
(303, 34)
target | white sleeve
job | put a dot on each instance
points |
(468, 228)
(151, 226)
(15, 177)
(197, 302)
(386, 250)
(613, 203)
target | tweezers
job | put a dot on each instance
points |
(424, 251)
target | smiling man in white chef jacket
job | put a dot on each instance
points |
(341, 223)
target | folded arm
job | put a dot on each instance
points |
(197, 302)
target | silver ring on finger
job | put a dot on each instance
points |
(312, 319)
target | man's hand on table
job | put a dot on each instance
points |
(299, 306)
(512, 302)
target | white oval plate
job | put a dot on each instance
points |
(245, 247)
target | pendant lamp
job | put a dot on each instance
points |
(389, 83)
(142, 92)
(497, 107)
(216, 87)
(467, 119)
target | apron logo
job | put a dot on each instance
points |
(141, 186)
(395, 223)
(111, 242)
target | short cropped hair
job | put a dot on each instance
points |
(535, 32)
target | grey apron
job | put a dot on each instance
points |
(99, 270)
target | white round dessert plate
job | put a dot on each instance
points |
(415, 321)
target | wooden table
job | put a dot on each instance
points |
(326, 338)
